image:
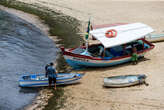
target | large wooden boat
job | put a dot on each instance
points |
(117, 42)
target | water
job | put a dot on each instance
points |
(24, 49)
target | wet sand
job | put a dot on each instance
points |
(90, 94)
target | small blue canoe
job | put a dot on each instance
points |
(124, 80)
(38, 80)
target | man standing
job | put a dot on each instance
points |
(52, 75)
(134, 57)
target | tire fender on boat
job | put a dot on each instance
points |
(111, 33)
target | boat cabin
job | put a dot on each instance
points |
(98, 50)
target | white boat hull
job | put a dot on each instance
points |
(124, 81)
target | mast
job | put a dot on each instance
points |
(87, 35)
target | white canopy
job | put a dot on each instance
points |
(125, 34)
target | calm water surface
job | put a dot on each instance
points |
(24, 49)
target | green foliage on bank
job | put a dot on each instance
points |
(57, 100)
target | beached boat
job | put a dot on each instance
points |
(124, 81)
(155, 38)
(117, 42)
(37, 80)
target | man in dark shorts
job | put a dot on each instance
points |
(52, 75)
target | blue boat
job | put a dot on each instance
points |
(38, 80)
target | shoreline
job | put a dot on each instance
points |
(33, 19)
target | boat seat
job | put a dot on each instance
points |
(33, 76)
(78, 50)
(26, 77)
(107, 58)
(116, 53)
(146, 46)
(86, 53)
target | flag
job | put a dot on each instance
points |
(88, 29)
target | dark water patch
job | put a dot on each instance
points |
(64, 27)
(24, 49)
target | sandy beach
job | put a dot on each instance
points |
(107, 11)
(90, 93)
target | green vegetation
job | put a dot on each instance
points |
(64, 27)
(57, 100)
